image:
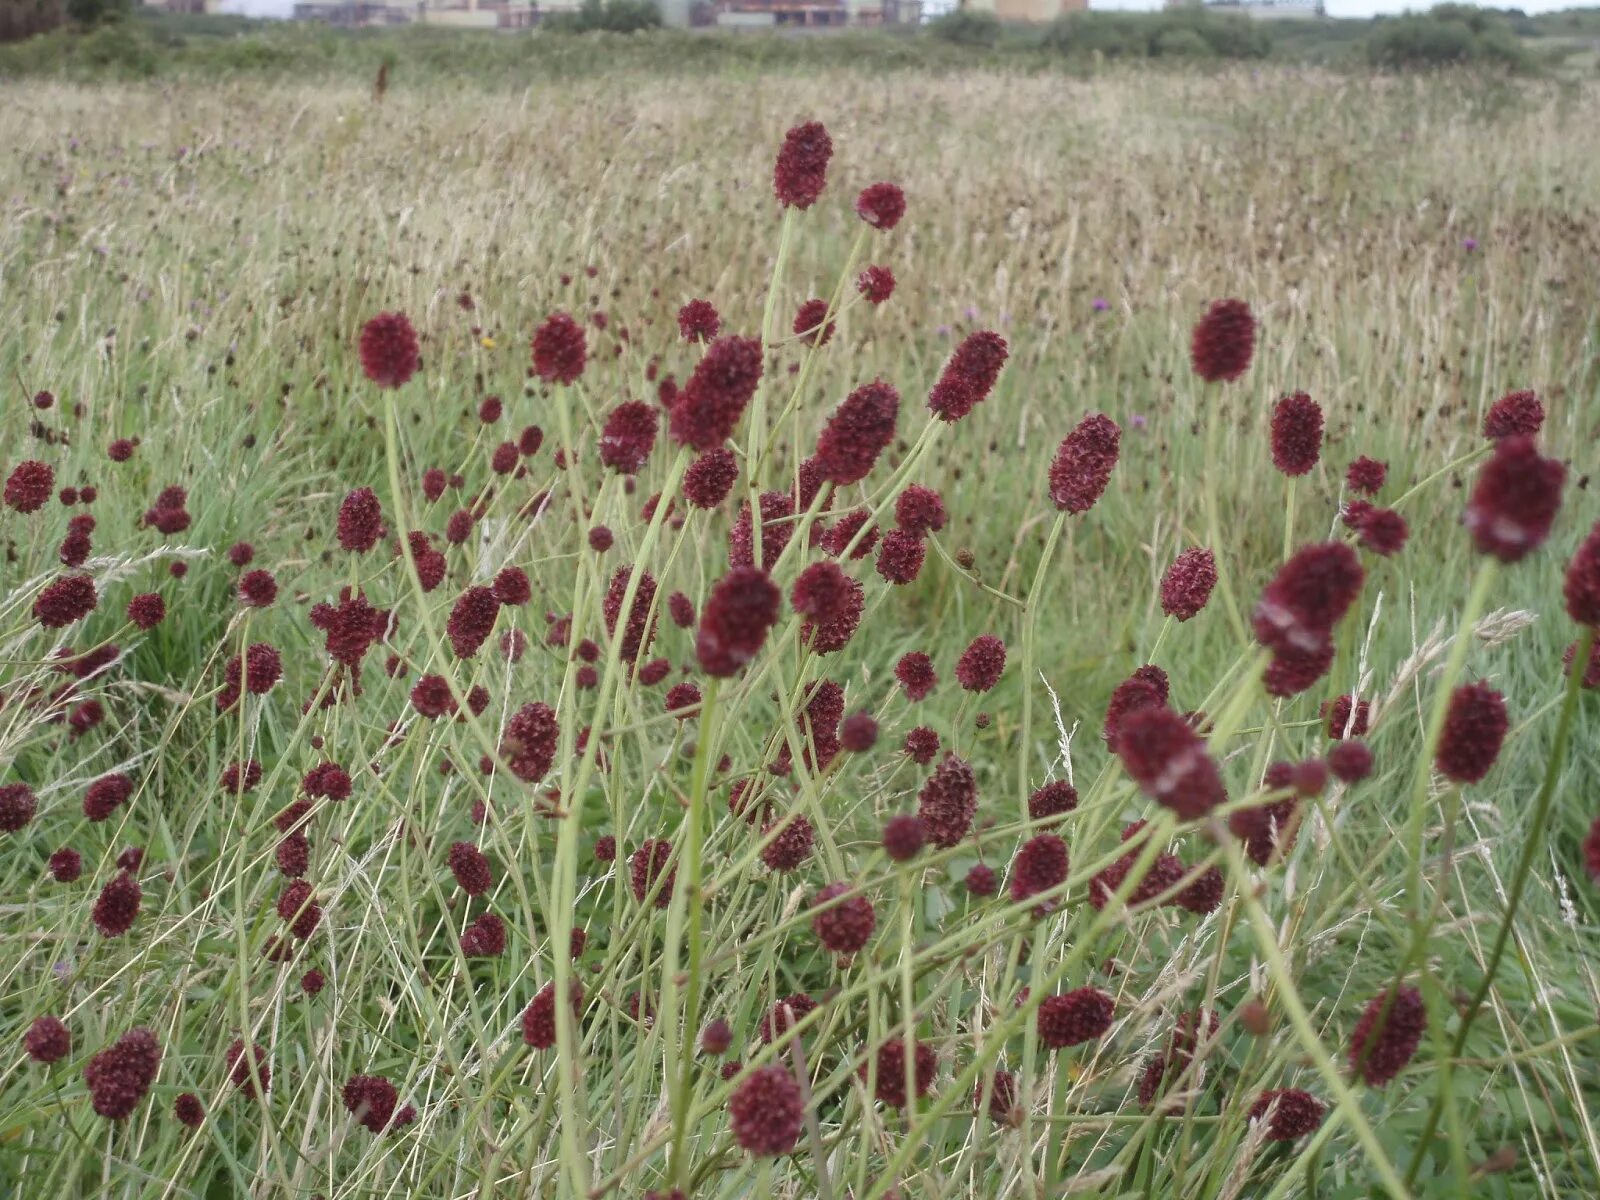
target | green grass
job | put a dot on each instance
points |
(191, 263)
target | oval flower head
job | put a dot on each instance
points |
(1167, 759)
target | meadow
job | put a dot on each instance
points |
(382, 774)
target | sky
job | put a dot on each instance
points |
(1337, 8)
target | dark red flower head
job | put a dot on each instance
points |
(1382, 531)
(858, 732)
(776, 529)
(900, 557)
(628, 437)
(147, 610)
(698, 321)
(1223, 342)
(801, 170)
(735, 619)
(1474, 728)
(118, 905)
(1344, 716)
(48, 1040)
(559, 351)
(903, 837)
(876, 284)
(842, 925)
(119, 1076)
(647, 866)
(511, 586)
(68, 599)
(1350, 761)
(881, 205)
(1366, 476)
(248, 1068)
(1294, 1113)
(948, 801)
(1053, 800)
(470, 868)
(1582, 586)
(809, 326)
(257, 589)
(1083, 463)
(66, 864)
(638, 626)
(1040, 865)
(1387, 1035)
(859, 430)
(785, 1015)
(29, 486)
(106, 795)
(919, 511)
(1307, 597)
(969, 376)
(1514, 414)
(372, 1099)
(188, 1110)
(360, 521)
(916, 675)
(708, 408)
(1515, 500)
(791, 840)
(528, 745)
(389, 350)
(486, 936)
(1166, 758)
(980, 880)
(1296, 434)
(17, 806)
(1075, 1017)
(766, 1112)
(891, 1070)
(1186, 585)
(1145, 688)
(981, 664)
(710, 478)
(472, 620)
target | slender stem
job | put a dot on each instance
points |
(1519, 882)
(1030, 614)
(1289, 494)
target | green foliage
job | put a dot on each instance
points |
(966, 27)
(1184, 33)
(608, 16)
(1451, 35)
(93, 12)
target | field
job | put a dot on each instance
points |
(188, 268)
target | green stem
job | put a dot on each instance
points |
(1030, 615)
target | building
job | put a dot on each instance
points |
(1033, 11)
(803, 14)
(458, 14)
(1261, 10)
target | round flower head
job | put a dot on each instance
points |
(528, 745)
(858, 732)
(471, 869)
(297, 906)
(17, 806)
(628, 437)
(969, 376)
(1075, 1017)
(698, 321)
(1366, 476)
(801, 170)
(1474, 728)
(709, 407)
(1514, 414)
(682, 700)
(1040, 865)
(716, 1038)
(1053, 800)
(710, 478)
(1294, 1113)
(1223, 341)
(68, 599)
(1186, 585)
(1344, 716)
(372, 1099)
(257, 589)
(649, 865)
(539, 1018)
(916, 675)
(859, 430)
(981, 664)
(1307, 598)
(921, 745)
(1350, 761)
(1267, 829)
(876, 284)
(851, 533)
(900, 557)
(1387, 1035)
(119, 1076)
(821, 593)
(735, 619)
(903, 837)
(360, 521)
(389, 350)
(1145, 688)
(486, 937)
(48, 1040)
(919, 511)
(891, 1070)
(1515, 500)
(784, 1016)
(1383, 531)
(559, 351)
(776, 529)
(809, 326)
(29, 486)
(766, 1112)
(980, 880)
(106, 795)
(188, 1110)
(1167, 759)
(147, 610)
(1202, 894)
(472, 620)
(1582, 587)
(248, 1068)
(1083, 464)
(1296, 434)
(1292, 672)
(66, 865)
(842, 925)
(117, 905)
(789, 845)
(881, 205)
(948, 801)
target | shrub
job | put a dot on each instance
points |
(966, 27)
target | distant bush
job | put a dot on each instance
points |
(965, 27)
(607, 16)
(93, 12)
(1174, 33)
(1451, 35)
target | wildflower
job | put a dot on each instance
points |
(969, 376)
(921, 744)
(120, 450)
(900, 557)
(808, 323)
(1292, 672)
(147, 610)
(372, 1099)
(248, 1068)
(117, 905)
(1294, 1113)
(791, 845)
(605, 849)
(68, 599)
(1075, 1017)
(903, 836)
(388, 349)
(859, 430)
(742, 607)
(1582, 586)
(258, 589)
(1040, 865)
(801, 170)
(628, 437)
(1203, 894)
(1387, 1035)
(1083, 464)
(709, 407)
(776, 530)
(1223, 341)
(539, 1018)
(881, 205)
(1591, 852)
(528, 745)
(948, 801)
(119, 1076)
(327, 781)
(486, 937)
(1145, 688)
(17, 806)
(1170, 762)
(980, 880)
(784, 1016)
(846, 534)
(470, 868)
(766, 1112)
(66, 864)
(1350, 761)
(1515, 500)
(876, 284)
(710, 478)
(360, 521)
(1307, 598)
(919, 511)
(647, 867)
(559, 351)
(891, 1073)
(716, 1037)
(844, 925)
(698, 321)
(188, 1110)
(1514, 414)
(981, 664)
(1186, 585)
(858, 733)
(639, 627)
(1474, 728)
(916, 675)
(106, 795)
(48, 1040)
(1366, 476)
(1296, 434)
(1383, 531)
(472, 620)
(1267, 828)
(1344, 716)
(29, 486)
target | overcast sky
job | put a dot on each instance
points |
(1337, 8)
